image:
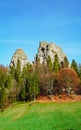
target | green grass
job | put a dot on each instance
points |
(42, 116)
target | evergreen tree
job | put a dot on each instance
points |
(79, 71)
(33, 85)
(3, 75)
(12, 91)
(3, 90)
(37, 68)
(18, 79)
(65, 63)
(8, 83)
(74, 66)
(11, 80)
(18, 71)
(12, 72)
(23, 93)
(56, 65)
(49, 62)
(3, 97)
(24, 73)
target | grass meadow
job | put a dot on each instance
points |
(42, 116)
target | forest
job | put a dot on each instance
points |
(29, 83)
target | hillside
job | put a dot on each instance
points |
(45, 116)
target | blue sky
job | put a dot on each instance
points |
(24, 23)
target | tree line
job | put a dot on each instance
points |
(27, 84)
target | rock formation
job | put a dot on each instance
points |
(45, 49)
(19, 54)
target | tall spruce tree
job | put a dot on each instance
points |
(18, 71)
(33, 85)
(3, 91)
(23, 93)
(49, 62)
(74, 66)
(3, 97)
(79, 71)
(12, 72)
(26, 74)
(8, 83)
(56, 65)
(18, 78)
(66, 62)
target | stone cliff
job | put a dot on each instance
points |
(49, 49)
(19, 54)
(45, 49)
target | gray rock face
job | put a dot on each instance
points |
(19, 54)
(45, 49)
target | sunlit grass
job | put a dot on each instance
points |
(42, 116)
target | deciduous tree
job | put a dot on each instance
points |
(68, 79)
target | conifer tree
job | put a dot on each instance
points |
(26, 74)
(74, 66)
(23, 93)
(3, 97)
(66, 62)
(18, 78)
(12, 72)
(56, 65)
(79, 71)
(18, 71)
(49, 62)
(8, 83)
(33, 85)
(3, 75)
(3, 90)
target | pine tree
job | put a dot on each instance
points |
(74, 66)
(18, 79)
(33, 85)
(23, 93)
(12, 72)
(56, 65)
(8, 83)
(65, 63)
(3, 97)
(3, 76)
(18, 71)
(49, 62)
(3, 91)
(79, 71)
